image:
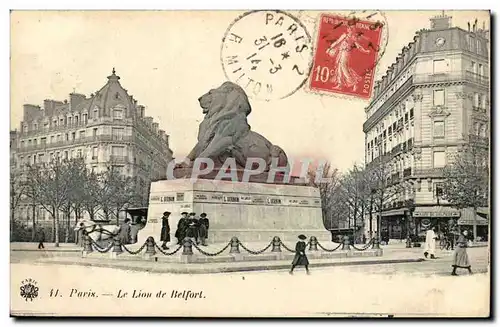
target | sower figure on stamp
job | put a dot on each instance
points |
(192, 230)
(165, 230)
(300, 258)
(460, 256)
(182, 225)
(430, 243)
(204, 224)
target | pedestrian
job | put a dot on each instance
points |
(460, 256)
(41, 238)
(124, 232)
(180, 233)
(300, 258)
(165, 230)
(192, 230)
(204, 224)
(430, 243)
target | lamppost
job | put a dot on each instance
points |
(410, 208)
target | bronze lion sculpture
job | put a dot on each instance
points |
(225, 133)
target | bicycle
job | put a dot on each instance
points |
(444, 243)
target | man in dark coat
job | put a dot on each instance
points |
(300, 258)
(41, 238)
(165, 230)
(180, 233)
(193, 225)
(203, 229)
(124, 233)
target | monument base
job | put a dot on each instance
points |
(253, 212)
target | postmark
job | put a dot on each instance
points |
(347, 51)
(268, 53)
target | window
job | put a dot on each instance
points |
(438, 129)
(476, 99)
(482, 130)
(84, 118)
(70, 121)
(94, 132)
(80, 153)
(480, 101)
(52, 139)
(117, 133)
(439, 159)
(66, 155)
(117, 150)
(82, 134)
(94, 152)
(439, 97)
(438, 190)
(72, 153)
(43, 140)
(41, 157)
(67, 136)
(478, 46)
(440, 66)
(61, 122)
(35, 142)
(473, 66)
(29, 142)
(411, 113)
(117, 114)
(58, 137)
(480, 70)
(73, 136)
(35, 126)
(55, 122)
(76, 120)
(46, 126)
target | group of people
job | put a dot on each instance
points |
(460, 256)
(189, 225)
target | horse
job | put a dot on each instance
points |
(96, 232)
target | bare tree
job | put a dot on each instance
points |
(18, 190)
(51, 188)
(466, 183)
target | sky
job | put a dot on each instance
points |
(168, 59)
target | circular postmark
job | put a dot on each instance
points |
(268, 53)
(28, 289)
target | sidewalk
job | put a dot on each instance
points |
(205, 268)
(33, 246)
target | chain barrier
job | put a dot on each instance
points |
(363, 248)
(329, 250)
(134, 252)
(167, 253)
(100, 249)
(211, 254)
(256, 252)
(289, 249)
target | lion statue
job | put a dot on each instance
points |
(225, 133)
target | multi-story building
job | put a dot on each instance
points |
(432, 100)
(107, 128)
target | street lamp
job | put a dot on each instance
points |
(410, 205)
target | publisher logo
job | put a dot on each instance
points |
(28, 289)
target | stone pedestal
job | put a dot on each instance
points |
(250, 211)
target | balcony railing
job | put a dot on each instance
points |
(429, 172)
(81, 140)
(451, 77)
(118, 159)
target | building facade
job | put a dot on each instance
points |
(109, 128)
(432, 100)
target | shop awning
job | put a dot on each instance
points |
(467, 218)
(436, 212)
(393, 212)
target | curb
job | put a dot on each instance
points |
(46, 250)
(210, 270)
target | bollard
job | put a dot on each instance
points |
(313, 243)
(150, 247)
(235, 245)
(376, 243)
(346, 243)
(117, 245)
(276, 244)
(187, 246)
(87, 245)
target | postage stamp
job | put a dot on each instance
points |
(347, 50)
(268, 53)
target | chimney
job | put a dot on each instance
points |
(141, 109)
(161, 133)
(75, 99)
(441, 22)
(31, 112)
(155, 126)
(149, 120)
(50, 105)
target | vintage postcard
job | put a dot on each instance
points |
(261, 163)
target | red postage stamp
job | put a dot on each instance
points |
(346, 55)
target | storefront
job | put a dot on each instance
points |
(466, 221)
(439, 216)
(394, 224)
